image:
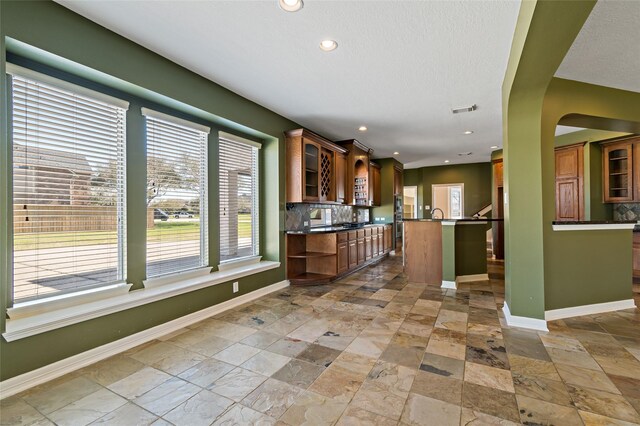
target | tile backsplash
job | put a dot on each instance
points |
(296, 214)
(630, 211)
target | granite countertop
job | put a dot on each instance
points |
(334, 228)
(464, 219)
(592, 222)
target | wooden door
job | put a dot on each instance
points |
(375, 186)
(397, 181)
(361, 251)
(567, 199)
(353, 254)
(367, 248)
(374, 245)
(387, 238)
(341, 178)
(569, 170)
(311, 171)
(343, 257)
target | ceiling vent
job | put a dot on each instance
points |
(465, 109)
(464, 154)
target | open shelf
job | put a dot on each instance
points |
(308, 254)
(311, 277)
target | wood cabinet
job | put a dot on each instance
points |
(311, 174)
(322, 257)
(569, 171)
(620, 161)
(357, 172)
(361, 250)
(388, 236)
(498, 197)
(343, 257)
(375, 186)
(341, 177)
(353, 253)
(374, 245)
(397, 181)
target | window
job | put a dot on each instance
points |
(176, 194)
(450, 199)
(238, 198)
(68, 186)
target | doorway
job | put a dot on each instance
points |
(450, 199)
(410, 202)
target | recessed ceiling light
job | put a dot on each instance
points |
(468, 132)
(328, 45)
(290, 5)
(362, 128)
(494, 147)
(396, 153)
(446, 161)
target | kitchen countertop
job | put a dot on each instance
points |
(595, 225)
(592, 222)
(335, 228)
(464, 219)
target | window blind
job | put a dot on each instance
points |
(239, 199)
(176, 195)
(68, 187)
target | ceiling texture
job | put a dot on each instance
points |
(399, 69)
(607, 49)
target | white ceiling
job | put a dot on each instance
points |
(607, 49)
(399, 69)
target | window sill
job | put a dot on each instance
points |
(20, 328)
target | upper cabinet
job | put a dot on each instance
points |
(398, 188)
(312, 172)
(374, 184)
(620, 169)
(357, 173)
(570, 182)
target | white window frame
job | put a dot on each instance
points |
(448, 186)
(202, 268)
(99, 291)
(255, 256)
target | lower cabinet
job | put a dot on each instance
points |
(387, 238)
(374, 245)
(317, 258)
(353, 253)
(343, 257)
(361, 253)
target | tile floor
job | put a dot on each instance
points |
(369, 349)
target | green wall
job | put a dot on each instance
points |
(413, 177)
(595, 208)
(546, 269)
(54, 36)
(384, 213)
(584, 268)
(476, 178)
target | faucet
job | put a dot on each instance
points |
(441, 213)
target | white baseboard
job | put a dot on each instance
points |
(523, 322)
(469, 278)
(449, 284)
(59, 368)
(597, 308)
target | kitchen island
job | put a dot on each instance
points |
(445, 251)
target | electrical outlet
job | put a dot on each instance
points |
(235, 287)
(427, 207)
